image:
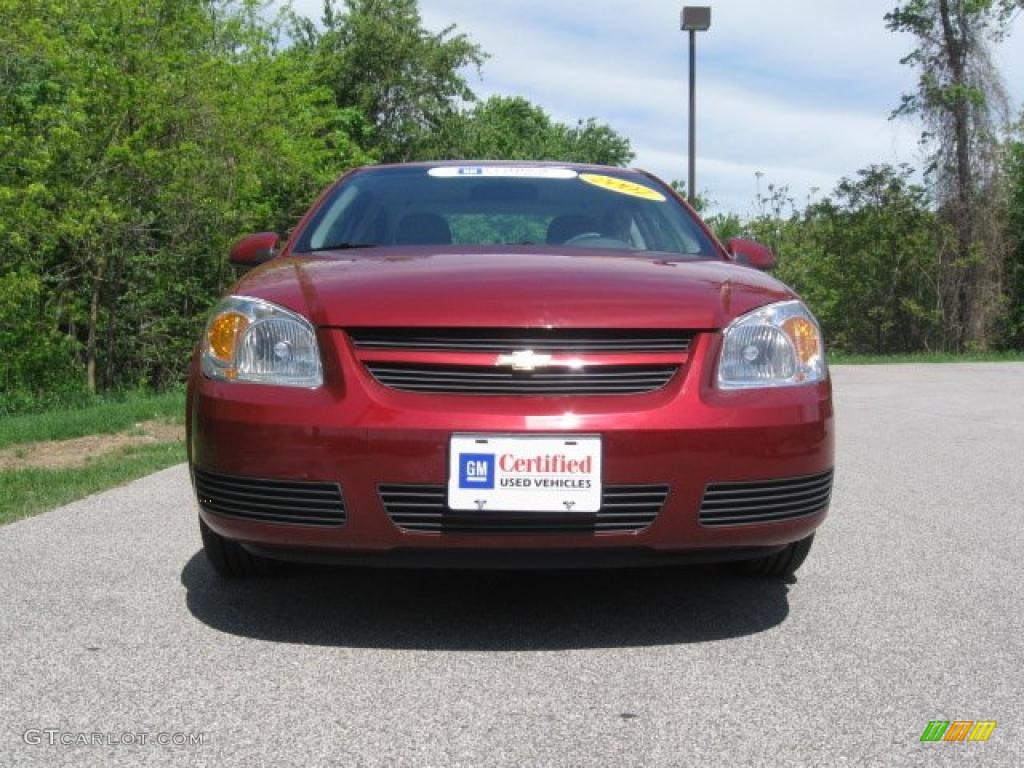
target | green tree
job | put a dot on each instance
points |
(960, 98)
(139, 137)
(511, 128)
(1013, 330)
(377, 57)
(864, 259)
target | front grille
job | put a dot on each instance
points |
(424, 509)
(270, 501)
(499, 340)
(489, 380)
(765, 501)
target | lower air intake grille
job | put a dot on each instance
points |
(424, 509)
(481, 380)
(765, 501)
(270, 501)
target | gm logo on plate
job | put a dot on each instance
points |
(476, 470)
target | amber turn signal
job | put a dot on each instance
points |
(805, 337)
(223, 333)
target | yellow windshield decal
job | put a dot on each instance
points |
(623, 187)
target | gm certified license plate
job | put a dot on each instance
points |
(525, 473)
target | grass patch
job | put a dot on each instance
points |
(927, 357)
(25, 492)
(103, 418)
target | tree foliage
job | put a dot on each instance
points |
(1013, 321)
(377, 58)
(962, 102)
(511, 128)
(139, 138)
(876, 278)
(864, 258)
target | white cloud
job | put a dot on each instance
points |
(799, 90)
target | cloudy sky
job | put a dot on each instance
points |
(799, 90)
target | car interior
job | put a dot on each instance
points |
(391, 209)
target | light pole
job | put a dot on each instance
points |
(694, 19)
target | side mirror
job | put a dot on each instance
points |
(751, 254)
(253, 250)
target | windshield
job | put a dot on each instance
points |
(493, 205)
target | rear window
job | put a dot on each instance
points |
(505, 206)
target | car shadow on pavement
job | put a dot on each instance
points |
(486, 610)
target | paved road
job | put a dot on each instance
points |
(908, 610)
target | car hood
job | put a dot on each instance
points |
(507, 288)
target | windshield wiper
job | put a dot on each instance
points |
(342, 247)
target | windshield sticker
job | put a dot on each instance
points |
(623, 187)
(492, 171)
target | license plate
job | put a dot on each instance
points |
(525, 473)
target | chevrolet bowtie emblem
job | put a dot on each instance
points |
(524, 360)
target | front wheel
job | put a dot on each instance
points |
(783, 563)
(230, 559)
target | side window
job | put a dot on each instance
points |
(636, 238)
(332, 219)
(662, 236)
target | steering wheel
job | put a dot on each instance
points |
(598, 240)
(583, 236)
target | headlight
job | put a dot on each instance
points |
(779, 345)
(255, 341)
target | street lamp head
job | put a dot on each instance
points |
(695, 18)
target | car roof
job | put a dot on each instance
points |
(581, 167)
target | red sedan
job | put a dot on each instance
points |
(506, 365)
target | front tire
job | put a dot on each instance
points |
(783, 563)
(230, 559)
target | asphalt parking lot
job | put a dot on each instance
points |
(908, 609)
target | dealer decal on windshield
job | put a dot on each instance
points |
(623, 187)
(493, 171)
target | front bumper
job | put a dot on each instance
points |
(360, 435)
